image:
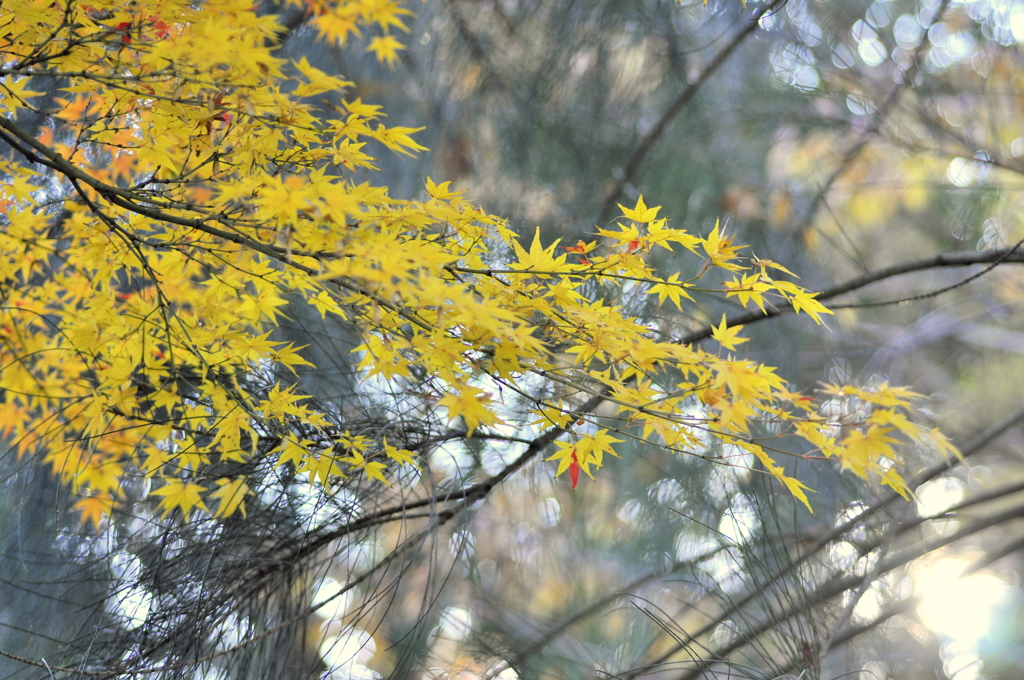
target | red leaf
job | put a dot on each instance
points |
(123, 28)
(633, 245)
(574, 470)
(808, 657)
(160, 26)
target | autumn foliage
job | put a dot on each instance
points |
(174, 185)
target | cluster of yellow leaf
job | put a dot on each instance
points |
(198, 186)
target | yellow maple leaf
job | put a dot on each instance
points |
(322, 466)
(671, 288)
(569, 459)
(733, 414)
(177, 494)
(795, 487)
(230, 496)
(747, 289)
(385, 48)
(726, 336)
(861, 451)
(944, 446)
(373, 469)
(892, 479)
(552, 415)
(472, 405)
(591, 448)
(293, 452)
(660, 235)
(95, 508)
(720, 250)
(538, 258)
(318, 81)
(624, 235)
(805, 302)
(640, 213)
(398, 139)
(400, 456)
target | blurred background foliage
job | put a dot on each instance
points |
(835, 138)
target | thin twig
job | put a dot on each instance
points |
(941, 261)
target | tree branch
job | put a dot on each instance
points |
(648, 142)
(941, 261)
